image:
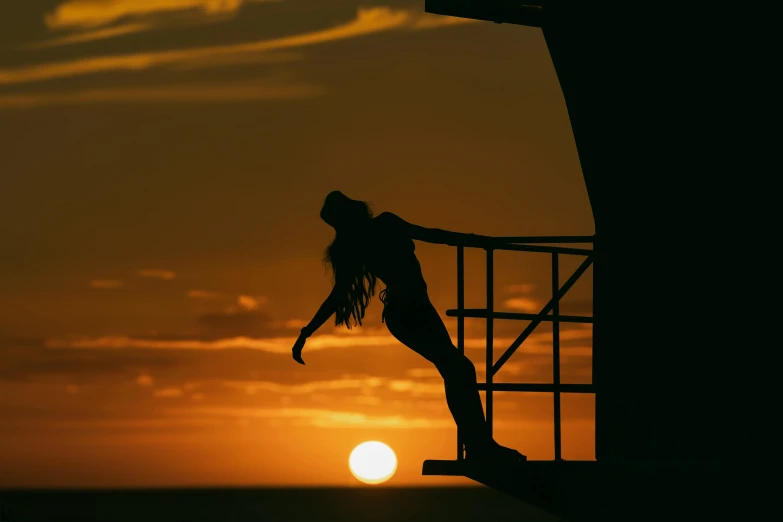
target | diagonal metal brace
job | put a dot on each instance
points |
(535, 322)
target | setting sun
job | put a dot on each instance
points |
(372, 462)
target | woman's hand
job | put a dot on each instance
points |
(297, 349)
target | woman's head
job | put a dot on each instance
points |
(354, 283)
(340, 211)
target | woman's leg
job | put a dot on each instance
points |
(419, 327)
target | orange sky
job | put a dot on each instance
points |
(163, 165)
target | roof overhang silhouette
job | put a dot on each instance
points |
(499, 11)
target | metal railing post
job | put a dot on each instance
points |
(556, 350)
(460, 326)
(553, 306)
(490, 333)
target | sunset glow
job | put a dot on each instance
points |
(164, 165)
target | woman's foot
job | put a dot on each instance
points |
(494, 452)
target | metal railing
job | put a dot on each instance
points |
(549, 313)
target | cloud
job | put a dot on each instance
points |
(272, 345)
(89, 21)
(366, 384)
(249, 302)
(368, 21)
(253, 387)
(539, 343)
(91, 36)
(238, 323)
(168, 393)
(367, 400)
(246, 302)
(328, 418)
(577, 332)
(89, 13)
(524, 304)
(102, 283)
(523, 288)
(121, 424)
(203, 294)
(582, 307)
(164, 94)
(144, 380)
(295, 323)
(166, 275)
(416, 388)
(323, 418)
(22, 362)
(422, 372)
(247, 321)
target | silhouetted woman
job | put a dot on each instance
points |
(368, 248)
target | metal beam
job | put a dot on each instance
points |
(482, 313)
(532, 326)
(545, 239)
(536, 387)
(547, 249)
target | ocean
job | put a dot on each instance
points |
(358, 504)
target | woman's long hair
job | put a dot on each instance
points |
(345, 255)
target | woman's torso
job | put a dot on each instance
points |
(390, 256)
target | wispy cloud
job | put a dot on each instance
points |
(166, 94)
(323, 418)
(416, 388)
(422, 372)
(203, 294)
(253, 387)
(368, 385)
(248, 302)
(144, 380)
(538, 343)
(102, 283)
(123, 424)
(91, 36)
(328, 418)
(368, 21)
(316, 417)
(531, 355)
(272, 345)
(90, 13)
(509, 368)
(166, 275)
(524, 304)
(521, 288)
(89, 20)
(168, 393)
(295, 323)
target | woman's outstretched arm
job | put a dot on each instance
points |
(324, 312)
(436, 235)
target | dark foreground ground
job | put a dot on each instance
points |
(284, 505)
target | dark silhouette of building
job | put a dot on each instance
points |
(658, 129)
